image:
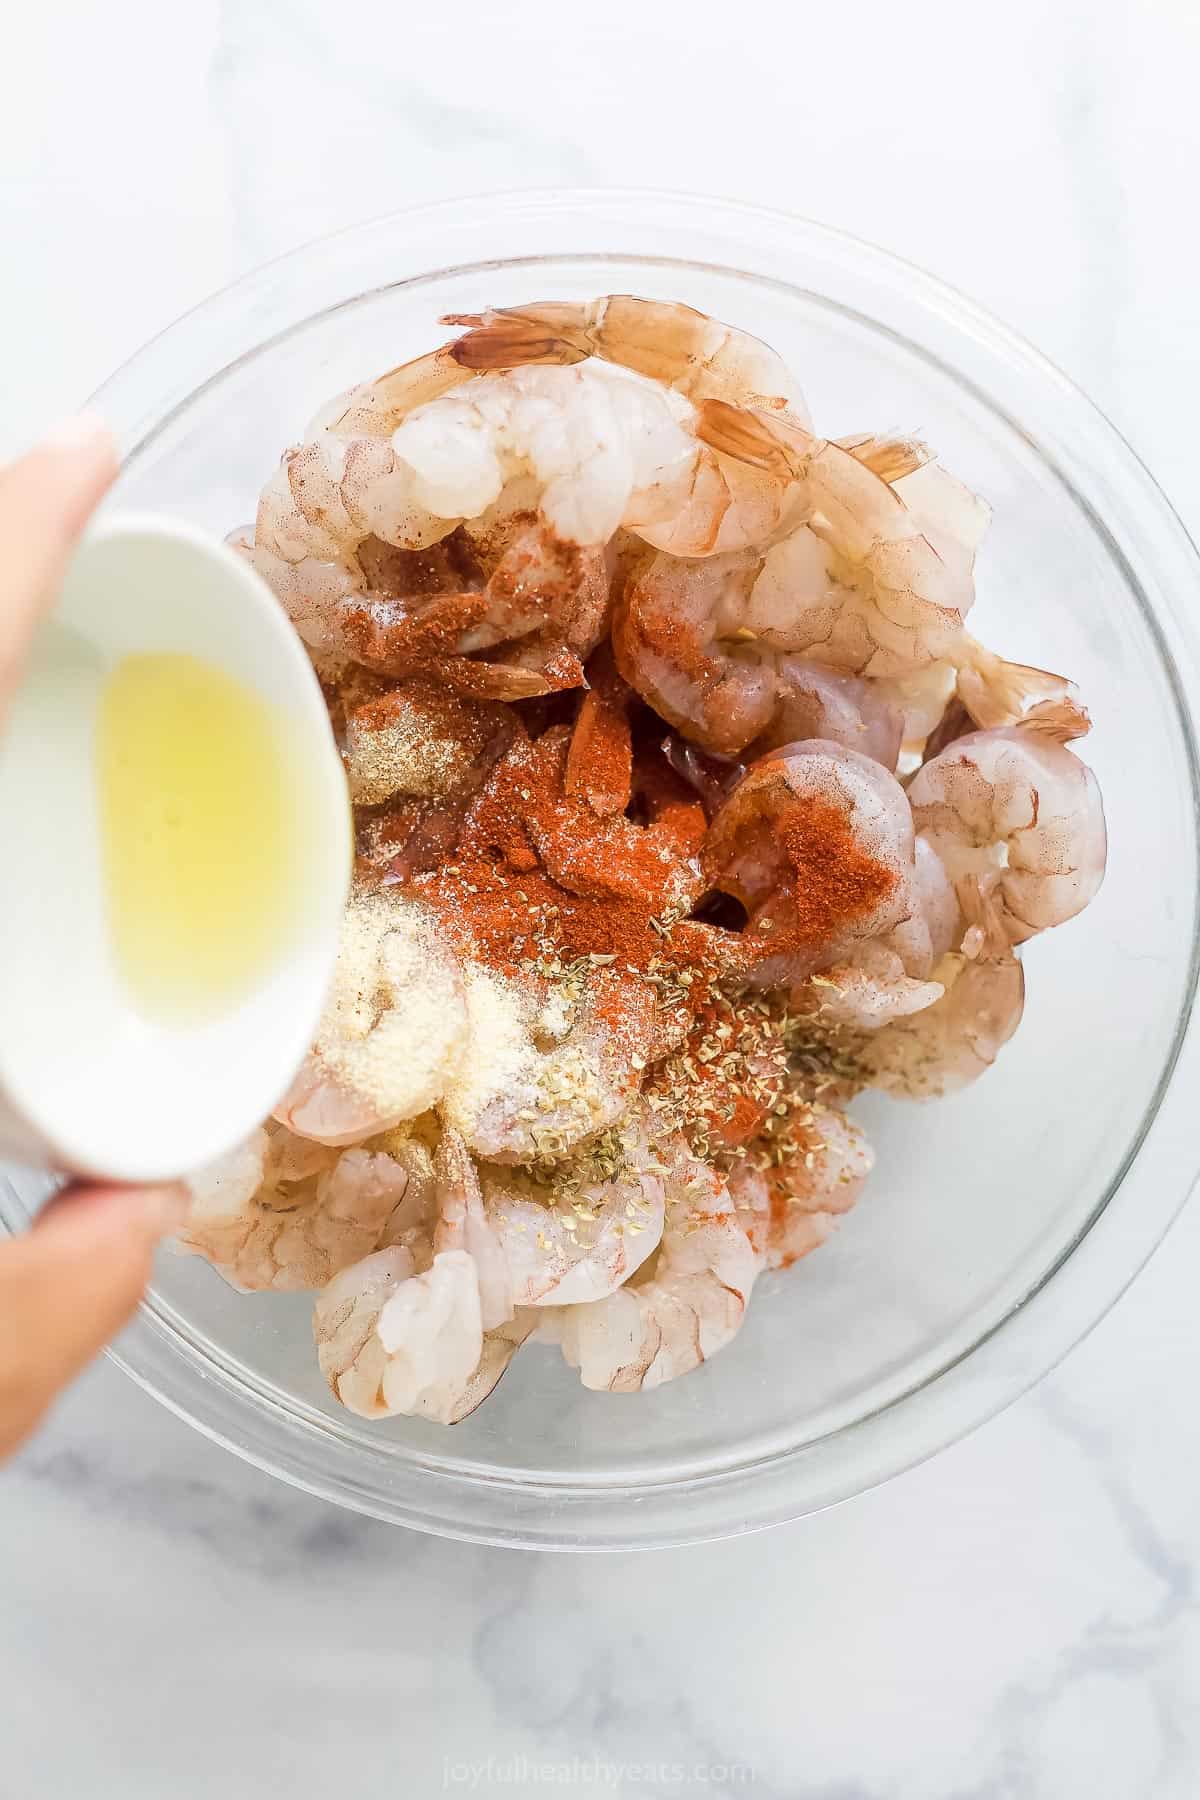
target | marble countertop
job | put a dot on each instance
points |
(1017, 1618)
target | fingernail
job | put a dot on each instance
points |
(84, 431)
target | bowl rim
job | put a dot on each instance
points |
(1090, 1273)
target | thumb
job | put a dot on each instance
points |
(46, 498)
(68, 1286)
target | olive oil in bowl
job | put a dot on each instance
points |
(202, 830)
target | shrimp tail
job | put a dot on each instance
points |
(376, 409)
(997, 694)
(599, 765)
(891, 458)
(778, 445)
(505, 338)
(561, 671)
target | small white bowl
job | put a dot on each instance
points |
(87, 1082)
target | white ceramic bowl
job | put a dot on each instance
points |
(88, 1081)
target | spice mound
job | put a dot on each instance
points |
(686, 809)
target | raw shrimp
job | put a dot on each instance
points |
(599, 449)
(663, 340)
(681, 1307)
(392, 1338)
(546, 1067)
(866, 990)
(528, 809)
(946, 700)
(331, 494)
(411, 836)
(375, 408)
(816, 702)
(550, 658)
(790, 1201)
(284, 1213)
(395, 1338)
(597, 446)
(1017, 813)
(685, 496)
(404, 1331)
(394, 1025)
(817, 843)
(406, 611)
(922, 699)
(933, 924)
(603, 447)
(417, 739)
(758, 825)
(576, 1233)
(954, 1041)
(681, 641)
(888, 977)
(751, 646)
(499, 1348)
(878, 578)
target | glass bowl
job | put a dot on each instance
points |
(998, 1226)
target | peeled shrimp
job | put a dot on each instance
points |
(934, 923)
(424, 1331)
(878, 579)
(681, 641)
(331, 494)
(284, 1213)
(816, 702)
(603, 447)
(576, 1235)
(544, 1067)
(867, 990)
(763, 647)
(394, 1025)
(957, 1039)
(392, 1338)
(680, 1308)
(1018, 814)
(686, 497)
(533, 799)
(418, 739)
(535, 599)
(600, 449)
(789, 1205)
(889, 977)
(817, 843)
(663, 340)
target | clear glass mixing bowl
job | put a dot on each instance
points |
(998, 1226)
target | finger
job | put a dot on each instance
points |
(68, 1286)
(46, 498)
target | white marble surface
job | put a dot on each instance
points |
(1018, 1618)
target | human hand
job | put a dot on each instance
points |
(72, 1281)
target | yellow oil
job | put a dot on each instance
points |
(202, 832)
